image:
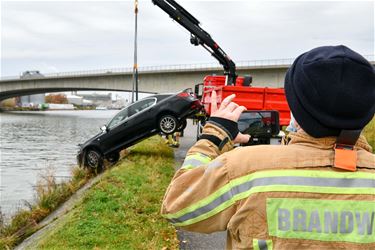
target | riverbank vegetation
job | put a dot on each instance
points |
(49, 195)
(8, 103)
(12, 104)
(122, 211)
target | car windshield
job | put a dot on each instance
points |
(130, 111)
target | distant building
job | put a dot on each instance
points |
(87, 103)
(74, 99)
(103, 100)
(54, 106)
(119, 103)
(31, 100)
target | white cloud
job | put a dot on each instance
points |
(80, 35)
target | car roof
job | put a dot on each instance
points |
(160, 97)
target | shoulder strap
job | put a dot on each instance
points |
(345, 155)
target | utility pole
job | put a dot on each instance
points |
(135, 66)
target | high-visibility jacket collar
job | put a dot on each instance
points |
(302, 138)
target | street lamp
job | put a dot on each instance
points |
(135, 66)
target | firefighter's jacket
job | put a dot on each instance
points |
(275, 197)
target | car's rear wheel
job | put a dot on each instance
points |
(113, 157)
(94, 160)
(168, 124)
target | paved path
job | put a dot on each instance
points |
(190, 240)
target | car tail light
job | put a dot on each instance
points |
(196, 104)
(184, 94)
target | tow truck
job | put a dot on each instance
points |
(262, 103)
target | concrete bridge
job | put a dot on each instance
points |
(157, 79)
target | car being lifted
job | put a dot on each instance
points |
(161, 113)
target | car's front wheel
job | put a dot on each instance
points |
(94, 160)
(168, 124)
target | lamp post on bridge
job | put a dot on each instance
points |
(135, 66)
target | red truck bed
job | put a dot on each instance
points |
(253, 98)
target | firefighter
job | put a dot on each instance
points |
(173, 140)
(176, 138)
(317, 192)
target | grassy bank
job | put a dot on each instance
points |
(49, 195)
(122, 211)
(369, 132)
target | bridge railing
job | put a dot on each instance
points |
(173, 67)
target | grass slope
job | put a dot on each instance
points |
(123, 210)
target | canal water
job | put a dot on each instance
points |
(32, 142)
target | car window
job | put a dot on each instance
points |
(130, 111)
(141, 105)
(122, 115)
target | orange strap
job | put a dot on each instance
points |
(345, 154)
(345, 157)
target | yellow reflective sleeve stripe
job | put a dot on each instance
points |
(195, 160)
(274, 181)
(324, 220)
(262, 244)
(278, 173)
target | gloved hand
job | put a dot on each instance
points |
(228, 110)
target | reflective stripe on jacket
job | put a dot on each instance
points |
(275, 197)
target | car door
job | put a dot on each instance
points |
(139, 123)
(128, 125)
(114, 134)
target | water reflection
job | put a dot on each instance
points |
(33, 141)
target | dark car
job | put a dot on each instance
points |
(162, 113)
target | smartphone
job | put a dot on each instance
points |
(259, 124)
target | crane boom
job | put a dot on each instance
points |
(199, 36)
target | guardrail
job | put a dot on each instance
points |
(184, 67)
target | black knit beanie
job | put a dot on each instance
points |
(329, 89)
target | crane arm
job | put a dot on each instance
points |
(199, 36)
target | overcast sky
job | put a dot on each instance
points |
(57, 36)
